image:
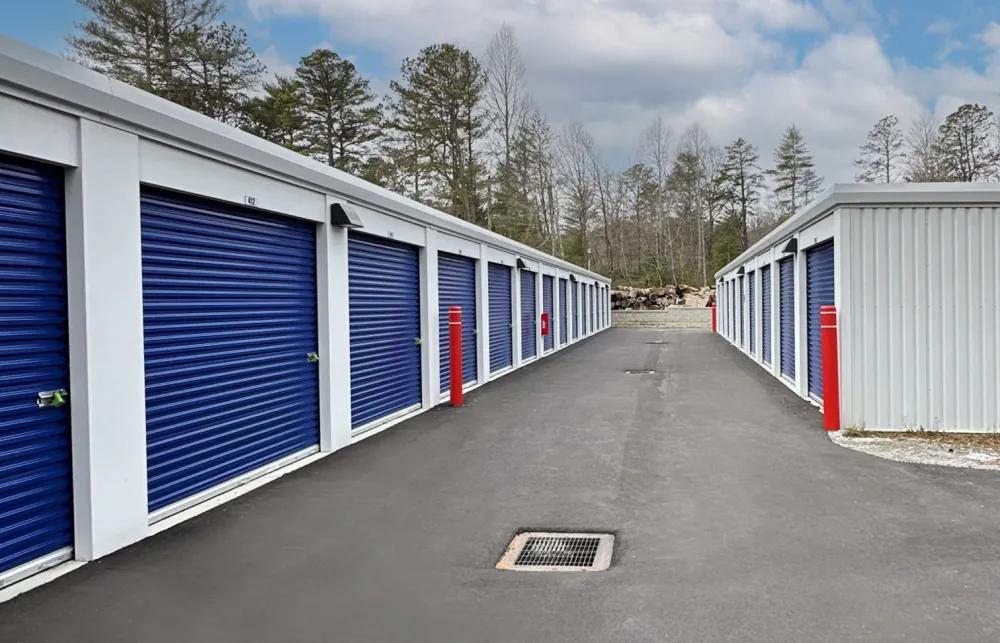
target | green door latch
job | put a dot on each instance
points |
(52, 399)
(312, 358)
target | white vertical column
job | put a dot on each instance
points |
(801, 324)
(483, 316)
(107, 370)
(430, 354)
(555, 324)
(516, 313)
(335, 341)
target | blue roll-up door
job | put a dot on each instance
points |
(384, 286)
(548, 306)
(786, 314)
(750, 310)
(563, 313)
(230, 321)
(742, 317)
(576, 311)
(457, 287)
(501, 318)
(765, 313)
(819, 292)
(36, 489)
(593, 306)
(529, 315)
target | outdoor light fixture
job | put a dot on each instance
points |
(791, 247)
(741, 271)
(345, 216)
(520, 264)
(572, 278)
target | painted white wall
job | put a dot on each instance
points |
(104, 266)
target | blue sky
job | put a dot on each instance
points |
(737, 67)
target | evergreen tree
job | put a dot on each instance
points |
(172, 48)
(277, 116)
(882, 153)
(967, 145)
(341, 114)
(740, 182)
(222, 72)
(438, 118)
(795, 179)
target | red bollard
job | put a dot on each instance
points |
(713, 319)
(831, 368)
(455, 353)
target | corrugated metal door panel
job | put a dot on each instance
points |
(742, 317)
(501, 318)
(786, 313)
(563, 313)
(576, 311)
(548, 306)
(384, 294)
(750, 309)
(457, 287)
(765, 313)
(36, 490)
(529, 315)
(819, 292)
(593, 305)
(229, 319)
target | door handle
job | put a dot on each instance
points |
(52, 399)
(312, 358)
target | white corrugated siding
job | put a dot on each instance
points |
(919, 327)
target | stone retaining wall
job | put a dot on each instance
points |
(674, 317)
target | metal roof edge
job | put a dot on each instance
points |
(870, 194)
(68, 83)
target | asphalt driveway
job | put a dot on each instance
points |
(737, 520)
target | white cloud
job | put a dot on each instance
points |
(616, 64)
(940, 27)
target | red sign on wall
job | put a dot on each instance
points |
(545, 324)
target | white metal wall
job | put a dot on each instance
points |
(919, 326)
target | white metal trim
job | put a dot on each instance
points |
(21, 572)
(393, 418)
(229, 485)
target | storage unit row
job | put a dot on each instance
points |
(913, 273)
(187, 310)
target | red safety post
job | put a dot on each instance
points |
(831, 368)
(713, 319)
(455, 353)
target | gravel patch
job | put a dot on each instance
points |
(923, 451)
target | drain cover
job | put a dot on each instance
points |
(554, 552)
(658, 343)
(639, 372)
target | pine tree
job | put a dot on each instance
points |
(222, 72)
(277, 116)
(439, 122)
(967, 145)
(341, 114)
(882, 153)
(795, 179)
(172, 48)
(740, 182)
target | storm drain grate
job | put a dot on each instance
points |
(554, 552)
(639, 372)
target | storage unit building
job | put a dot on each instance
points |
(187, 309)
(912, 271)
